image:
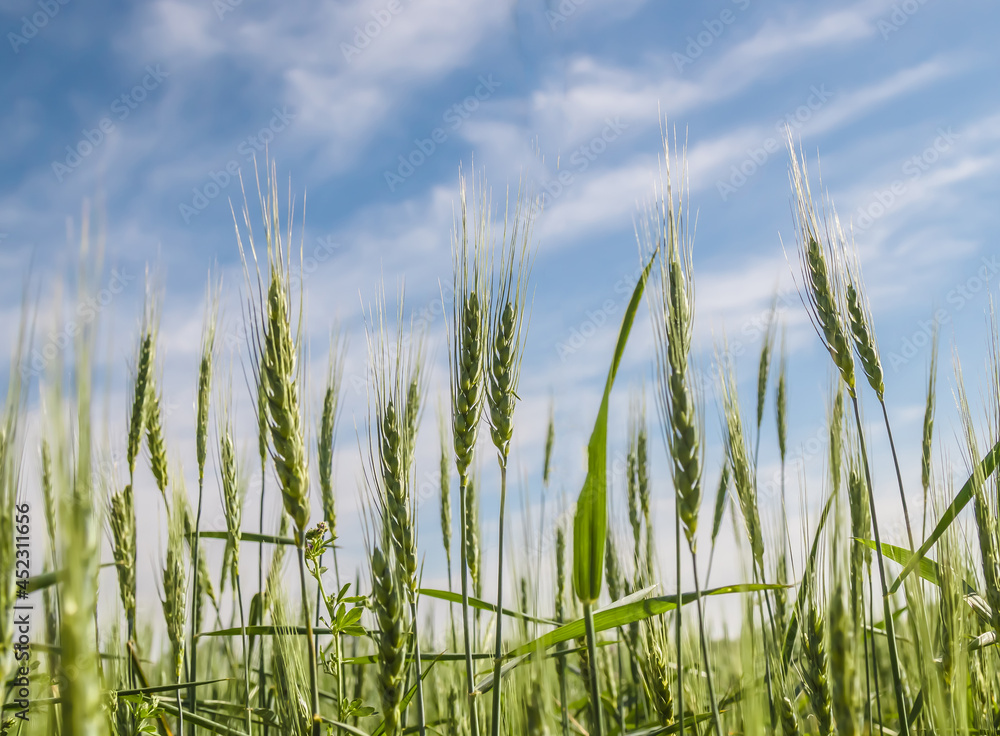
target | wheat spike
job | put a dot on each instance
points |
(121, 519)
(175, 584)
(155, 441)
(815, 669)
(823, 284)
(390, 614)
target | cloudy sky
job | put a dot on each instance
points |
(150, 111)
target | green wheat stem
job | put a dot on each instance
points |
(890, 632)
(498, 645)
(463, 487)
(595, 691)
(317, 721)
(246, 654)
(716, 718)
(677, 618)
(899, 474)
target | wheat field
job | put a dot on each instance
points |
(847, 634)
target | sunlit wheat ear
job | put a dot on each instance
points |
(508, 324)
(233, 485)
(141, 389)
(389, 605)
(781, 402)
(836, 427)
(764, 363)
(327, 429)
(636, 417)
(175, 583)
(842, 655)
(666, 228)
(862, 324)
(780, 594)
(121, 521)
(656, 668)
(444, 470)
(927, 443)
(470, 322)
(612, 567)
(205, 585)
(644, 486)
(738, 455)
(472, 548)
(205, 365)
(396, 393)
(550, 441)
(275, 345)
(49, 496)
(289, 677)
(560, 591)
(815, 667)
(822, 274)
(155, 440)
(789, 717)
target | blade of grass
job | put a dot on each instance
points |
(986, 466)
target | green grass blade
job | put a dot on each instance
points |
(625, 614)
(482, 605)
(986, 466)
(793, 619)
(590, 525)
(927, 568)
(172, 687)
(248, 537)
(266, 631)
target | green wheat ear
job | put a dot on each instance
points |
(327, 429)
(275, 344)
(507, 326)
(822, 271)
(121, 521)
(175, 582)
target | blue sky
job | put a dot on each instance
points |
(149, 109)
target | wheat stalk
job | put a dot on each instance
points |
(155, 441)
(507, 329)
(824, 286)
(121, 520)
(208, 347)
(174, 579)
(388, 603)
(469, 330)
(396, 390)
(276, 349)
(666, 232)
